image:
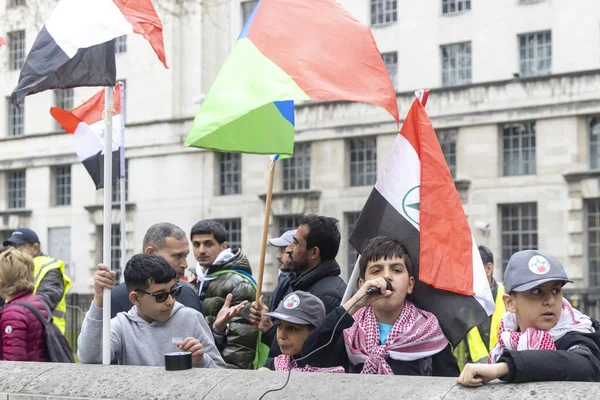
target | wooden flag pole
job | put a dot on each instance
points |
(263, 246)
(108, 115)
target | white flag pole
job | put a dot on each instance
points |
(122, 178)
(352, 286)
(108, 115)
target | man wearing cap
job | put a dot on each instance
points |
(51, 284)
(285, 277)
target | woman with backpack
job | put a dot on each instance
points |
(21, 331)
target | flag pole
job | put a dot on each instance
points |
(263, 246)
(352, 286)
(108, 115)
(122, 177)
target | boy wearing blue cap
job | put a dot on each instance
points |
(541, 337)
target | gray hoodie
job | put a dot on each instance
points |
(137, 342)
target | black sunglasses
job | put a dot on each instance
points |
(161, 297)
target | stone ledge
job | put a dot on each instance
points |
(115, 206)
(306, 194)
(22, 212)
(462, 184)
(581, 175)
(47, 380)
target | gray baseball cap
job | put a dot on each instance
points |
(530, 268)
(300, 308)
(284, 240)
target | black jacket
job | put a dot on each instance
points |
(119, 299)
(323, 281)
(440, 364)
(577, 358)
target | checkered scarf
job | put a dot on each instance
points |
(283, 363)
(416, 334)
(509, 339)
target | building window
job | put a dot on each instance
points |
(115, 248)
(116, 186)
(230, 173)
(296, 170)
(247, 8)
(352, 254)
(288, 223)
(363, 162)
(594, 139)
(391, 63)
(452, 6)
(234, 232)
(15, 3)
(518, 229)
(5, 234)
(121, 44)
(16, 189)
(62, 185)
(456, 64)
(59, 245)
(16, 50)
(447, 139)
(593, 241)
(383, 11)
(63, 98)
(16, 118)
(535, 54)
(518, 149)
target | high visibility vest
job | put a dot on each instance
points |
(478, 349)
(43, 265)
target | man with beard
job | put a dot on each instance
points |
(312, 253)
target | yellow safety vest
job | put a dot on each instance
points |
(44, 264)
(477, 349)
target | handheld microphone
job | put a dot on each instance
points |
(373, 290)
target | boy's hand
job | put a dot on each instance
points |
(193, 346)
(263, 369)
(474, 375)
(103, 279)
(226, 313)
(258, 319)
(369, 299)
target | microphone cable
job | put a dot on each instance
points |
(368, 292)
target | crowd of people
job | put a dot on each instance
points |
(533, 335)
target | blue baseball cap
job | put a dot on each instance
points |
(21, 236)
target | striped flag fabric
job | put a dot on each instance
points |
(86, 124)
(75, 47)
(289, 50)
(415, 201)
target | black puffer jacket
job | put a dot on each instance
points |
(241, 340)
(323, 281)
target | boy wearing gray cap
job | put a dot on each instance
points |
(296, 317)
(541, 337)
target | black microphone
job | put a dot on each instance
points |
(373, 290)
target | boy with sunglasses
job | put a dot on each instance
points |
(155, 325)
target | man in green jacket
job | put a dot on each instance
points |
(219, 273)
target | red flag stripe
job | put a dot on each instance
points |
(144, 20)
(446, 259)
(89, 112)
(3, 42)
